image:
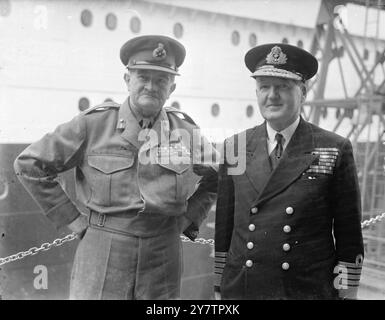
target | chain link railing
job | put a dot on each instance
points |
(58, 242)
(371, 221)
(34, 250)
(198, 240)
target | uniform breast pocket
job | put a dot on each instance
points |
(175, 179)
(109, 177)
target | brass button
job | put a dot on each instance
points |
(289, 210)
(250, 245)
(249, 263)
(286, 247)
(285, 266)
(287, 229)
(254, 210)
(251, 227)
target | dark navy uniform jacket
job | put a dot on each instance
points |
(286, 233)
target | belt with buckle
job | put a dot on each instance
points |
(106, 222)
(132, 224)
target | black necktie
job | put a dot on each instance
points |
(276, 154)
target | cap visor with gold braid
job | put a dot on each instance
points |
(281, 60)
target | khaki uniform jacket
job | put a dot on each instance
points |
(104, 145)
(280, 234)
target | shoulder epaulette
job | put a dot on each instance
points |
(101, 107)
(180, 114)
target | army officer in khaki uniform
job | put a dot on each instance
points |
(288, 227)
(134, 173)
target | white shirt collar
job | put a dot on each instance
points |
(287, 134)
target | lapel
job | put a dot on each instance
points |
(296, 159)
(257, 165)
(131, 126)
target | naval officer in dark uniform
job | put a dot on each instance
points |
(134, 173)
(288, 227)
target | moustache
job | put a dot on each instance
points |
(274, 105)
(151, 94)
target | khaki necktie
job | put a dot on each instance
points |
(145, 123)
(276, 154)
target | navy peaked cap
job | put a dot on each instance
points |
(281, 60)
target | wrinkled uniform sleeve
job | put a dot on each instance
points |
(38, 165)
(200, 203)
(224, 222)
(347, 224)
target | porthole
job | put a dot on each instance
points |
(215, 110)
(178, 30)
(175, 105)
(249, 111)
(108, 100)
(300, 43)
(252, 40)
(135, 24)
(86, 18)
(235, 38)
(84, 104)
(111, 21)
(284, 40)
(5, 8)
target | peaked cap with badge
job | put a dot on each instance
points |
(153, 52)
(281, 60)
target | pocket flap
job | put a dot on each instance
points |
(177, 168)
(110, 163)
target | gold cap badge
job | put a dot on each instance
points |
(276, 56)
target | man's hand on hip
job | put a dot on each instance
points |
(79, 225)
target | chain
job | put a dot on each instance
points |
(34, 250)
(198, 241)
(58, 242)
(374, 220)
